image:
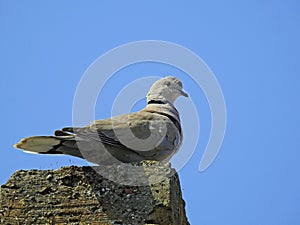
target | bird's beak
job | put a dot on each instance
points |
(183, 93)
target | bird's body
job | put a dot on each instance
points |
(153, 133)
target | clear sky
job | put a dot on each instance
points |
(251, 46)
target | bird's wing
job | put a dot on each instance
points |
(141, 131)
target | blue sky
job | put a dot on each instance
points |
(251, 46)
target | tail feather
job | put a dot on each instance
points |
(37, 144)
(49, 145)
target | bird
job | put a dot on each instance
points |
(153, 133)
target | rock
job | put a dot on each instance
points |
(139, 193)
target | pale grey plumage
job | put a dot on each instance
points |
(154, 133)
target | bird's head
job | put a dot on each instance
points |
(166, 89)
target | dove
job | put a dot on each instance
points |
(153, 133)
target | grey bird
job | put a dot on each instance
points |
(153, 133)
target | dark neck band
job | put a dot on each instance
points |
(156, 102)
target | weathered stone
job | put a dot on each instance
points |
(84, 195)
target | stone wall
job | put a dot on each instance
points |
(140, 193)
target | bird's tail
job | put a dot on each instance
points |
(58, 144)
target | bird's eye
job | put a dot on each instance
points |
(168, 84)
